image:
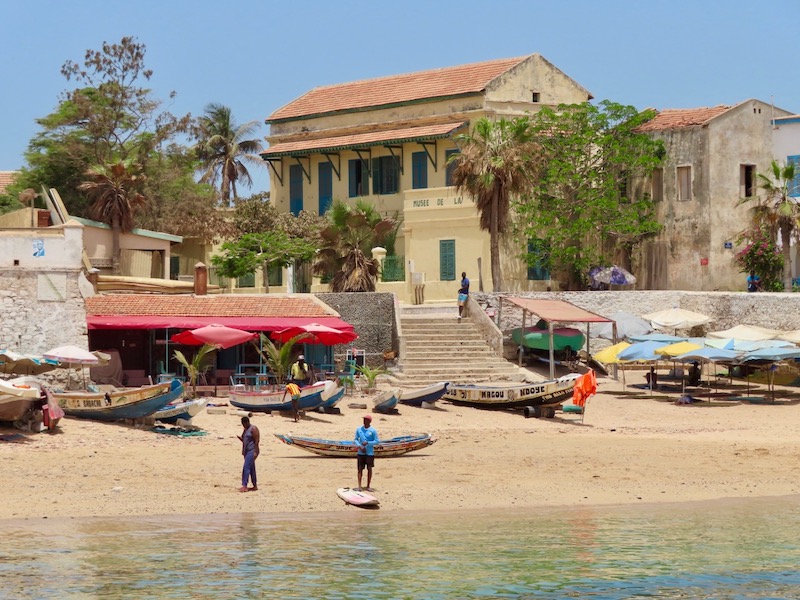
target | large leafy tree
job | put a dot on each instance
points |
(346, 251)
(116, 197)
(493, 165)
(777, 210)
(581, 208)
(108, 118)
(225, 148)
(261, 250)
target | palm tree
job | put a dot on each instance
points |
(493, 165)
(346, 250)
(195, 367)
(778, 210)
(279, 358)
(223, 148)
(115, 198)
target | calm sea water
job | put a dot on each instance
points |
(743, 549)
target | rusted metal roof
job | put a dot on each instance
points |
(557, 310)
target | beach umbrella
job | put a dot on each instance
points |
(614, 275)
(790, 336)
(641, 351)
(708, 354)
(316, 334)
(610, 355)
(25, 364)
(721, 343)
(665, 338)
(676, 318)
(628, 325)
(220, 336)
(747, 332)
(678, 348)
(73, 356)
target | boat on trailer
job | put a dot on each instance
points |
(338, 449)
(122, 403)
(426, 395)
(544, 394)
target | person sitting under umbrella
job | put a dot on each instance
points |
(694, 374)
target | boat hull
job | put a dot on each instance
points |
(564, 338)
(17, 397)
(130, 403)
(386, 401)
(545, 393)
(182, 410)
(348, 449)
(269, 401)
(427, 395)
(333, 399)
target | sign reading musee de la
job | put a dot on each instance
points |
(437, 202)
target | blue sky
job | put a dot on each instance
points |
(256, 56)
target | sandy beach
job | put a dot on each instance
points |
(629, 448)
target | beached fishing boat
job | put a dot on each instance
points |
(338, 449)
(18, 396)
(564, 338)
(123, 403)
(427, 395)
(385, 402)
(180, 410)
(543, 393)
(275, 400)
(332, 396)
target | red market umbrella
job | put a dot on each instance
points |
(220, 336)
(317, 334)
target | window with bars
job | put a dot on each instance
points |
(447, 260)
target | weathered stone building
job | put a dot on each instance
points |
(713, 156)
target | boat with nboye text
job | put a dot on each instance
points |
(542, 393)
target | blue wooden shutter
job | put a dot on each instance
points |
(325, 187)
(419, 170)
(448, 173)
(377, 183)
(794, 185)
(447, 260)
(295, 189)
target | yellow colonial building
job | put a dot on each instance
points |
(388, 140)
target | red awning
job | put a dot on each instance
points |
(175, 322)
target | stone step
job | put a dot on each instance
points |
(445, 345)
(477, 354)
(445, 372)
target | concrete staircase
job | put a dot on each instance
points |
(439, 348)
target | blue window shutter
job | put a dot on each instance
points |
(447, 260)
(448, 173)
(377, 186)
(419, 170)
(295, 189)
(325, 187)
(353, 169)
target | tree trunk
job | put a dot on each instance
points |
(494, 244)
(116, 267)
(266, 277)
(786, 239)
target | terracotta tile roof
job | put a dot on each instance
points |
(676, 118)
(449, 81)
(226, 305)
(362, 139)
(6, 179)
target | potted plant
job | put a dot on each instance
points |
(371, 375)
(195, 367)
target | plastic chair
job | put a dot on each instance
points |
(347, 376)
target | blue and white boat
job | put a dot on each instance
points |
(426, 395)
(385, 402)
(332, 396)
(277, 400)
(125, 403)
(182, 410)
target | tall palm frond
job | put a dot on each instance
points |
(194, 368)
(279, 358)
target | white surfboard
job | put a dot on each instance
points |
(357, 497)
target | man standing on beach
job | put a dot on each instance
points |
(366, 438)
(299, 372)
(463, 294)
(250, 439)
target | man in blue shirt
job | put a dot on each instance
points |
(753, 282)
(463, 294)
(366, 438)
